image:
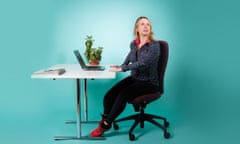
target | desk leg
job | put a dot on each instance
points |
(85, 106)
(85, 100)
(78, 110)
(79, 123)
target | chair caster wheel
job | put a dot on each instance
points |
(167, 135)
(166, 124)
(115, 126)
(131, 137)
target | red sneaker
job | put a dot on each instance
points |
(98, 132)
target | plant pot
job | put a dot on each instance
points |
(94, 63)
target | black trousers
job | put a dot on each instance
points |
(126, 90)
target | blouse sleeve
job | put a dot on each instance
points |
(145, 58)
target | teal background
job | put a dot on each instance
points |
(202, 93)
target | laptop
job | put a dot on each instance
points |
(84, 66)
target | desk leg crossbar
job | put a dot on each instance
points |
(78, 122)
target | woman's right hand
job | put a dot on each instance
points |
(115, 68)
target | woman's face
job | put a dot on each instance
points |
(143, 27)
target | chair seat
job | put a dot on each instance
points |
(147, 98)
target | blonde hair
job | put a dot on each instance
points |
(135, 33)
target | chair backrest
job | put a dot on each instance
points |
(162, 63)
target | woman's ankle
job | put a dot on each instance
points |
(106, 125)
(104, 117)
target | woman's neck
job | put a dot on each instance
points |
(143, 40)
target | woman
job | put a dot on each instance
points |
(142, 61)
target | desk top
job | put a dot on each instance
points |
(73, 71)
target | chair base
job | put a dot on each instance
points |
(140, 119)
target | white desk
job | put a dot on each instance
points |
(74, 71)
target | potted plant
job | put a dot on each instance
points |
(93, 55)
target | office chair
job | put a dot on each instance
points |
(141, 102)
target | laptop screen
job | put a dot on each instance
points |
(79, 58)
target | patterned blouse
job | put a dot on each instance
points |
(143, 63)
